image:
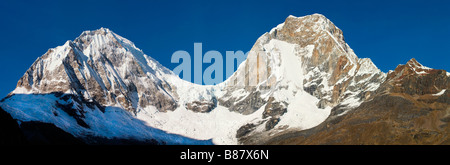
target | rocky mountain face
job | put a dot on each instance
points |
(410, 107)
(300, 84)
(331, 70)
(303, 54)
(103, 67)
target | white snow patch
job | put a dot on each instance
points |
(367, 66)
(55, 58)
(351, 102)
(21, 90)
(220, 124)
(421, 72)
(287, 66)
(372, 87)
(440, 93)
(303, 112)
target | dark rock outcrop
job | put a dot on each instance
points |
(273, 110)
(202, 106)
(248, 105)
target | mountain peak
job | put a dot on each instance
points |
(316, 19)
(100, 65)
(418, 68)
(103, 36)
(309, 30)
(102, 31)
(411, 68)
(99, 37)
(413, 63)
(315, 15)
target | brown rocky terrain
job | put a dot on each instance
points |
(409, 108)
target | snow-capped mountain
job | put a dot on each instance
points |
(101, 87)
(305, 69)
(93, 87)
(104, 67)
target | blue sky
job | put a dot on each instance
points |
(389, 32)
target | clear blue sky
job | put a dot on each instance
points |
(389, 32)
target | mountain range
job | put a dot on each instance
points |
(301, 84)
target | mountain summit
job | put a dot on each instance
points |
(299, 77)
(100, 66)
